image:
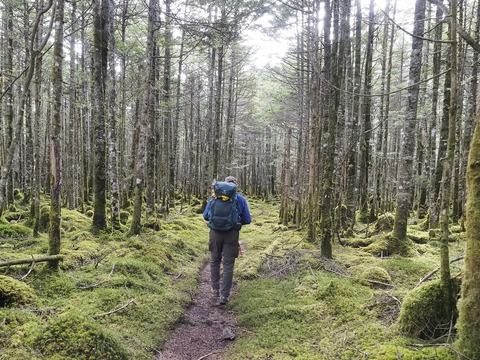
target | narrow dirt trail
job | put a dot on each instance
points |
(201, 334)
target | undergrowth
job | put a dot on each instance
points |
(126, 294)
(115, 297)
(292, 304)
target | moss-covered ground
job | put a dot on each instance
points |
(119, 297)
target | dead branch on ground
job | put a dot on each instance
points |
(28, 261)
(116, 310)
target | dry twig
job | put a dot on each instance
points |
(434, 271)
(205, 356)
(116, 310)
(29, 270)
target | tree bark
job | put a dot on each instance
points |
(55, 144)
(398, 242)
(100, 61)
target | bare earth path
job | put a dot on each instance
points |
(202, 332)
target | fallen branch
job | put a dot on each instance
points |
(379, 283)
(32, 260)
(116, 310)
(29, 270)
(205, 356)
(434, 271)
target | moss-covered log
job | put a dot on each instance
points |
(32, 259)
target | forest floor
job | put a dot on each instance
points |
(207, 327)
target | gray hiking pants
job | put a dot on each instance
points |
(223, 244)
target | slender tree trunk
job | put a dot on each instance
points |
(436, 165)
(365, 153)
(55, 145)
(146, 119)
(445, 278)
(352, 125)
(405, 169)
(112, 124)
(100, 36)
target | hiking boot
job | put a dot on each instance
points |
(215, 293)
(223, 301)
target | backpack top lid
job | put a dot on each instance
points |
(224, 189)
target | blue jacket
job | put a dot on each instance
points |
(242, 207)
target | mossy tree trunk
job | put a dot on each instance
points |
(398, 241)
(333, 73)
(313, 56)
(100, 61)
(469, 306)
(365, 134)
(146, 121)
(434, 165)
(445, 278)
(352, 123)
(55, 145)
(112, 124)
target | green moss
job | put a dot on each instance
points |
(376, 273)
(52, 285)
(14, 231)
(423, 312)
(386, 245)
(15, 293)
(73, 336)
(384, 223)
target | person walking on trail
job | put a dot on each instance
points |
(226, 212)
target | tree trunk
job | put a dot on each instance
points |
(365, 153)
(55, 145)
(146, 119)
(100, 36)
(112, 124)
(468, 307)
(399, 243)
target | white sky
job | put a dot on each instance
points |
(265, 49)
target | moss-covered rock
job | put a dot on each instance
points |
(15, 293)
(73, 336)
(376, 273)
(14, 231)
(423, 311)
(384, 223)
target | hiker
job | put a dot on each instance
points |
(226, 212)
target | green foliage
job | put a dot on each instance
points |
(15, 293)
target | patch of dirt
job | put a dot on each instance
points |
(206, 324)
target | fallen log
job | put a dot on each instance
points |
(32, 260)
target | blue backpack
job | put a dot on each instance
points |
(223, 213)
